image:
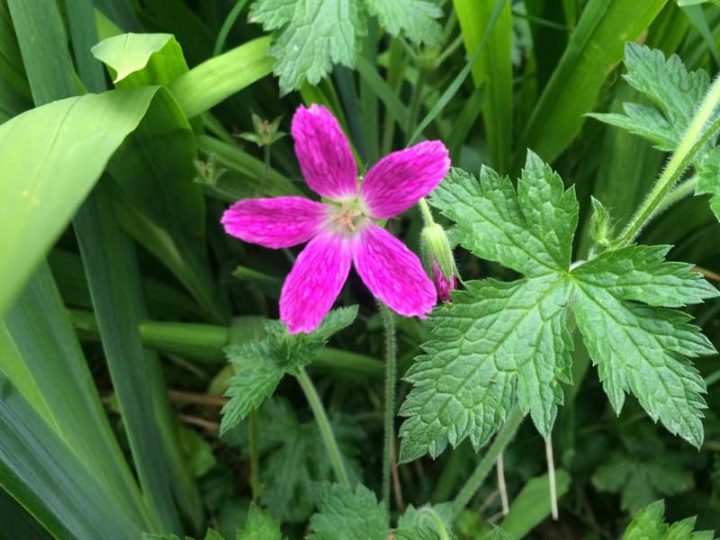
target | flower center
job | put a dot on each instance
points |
(348, 217)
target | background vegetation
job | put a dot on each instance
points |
(120, 291)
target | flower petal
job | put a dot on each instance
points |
(315, 282)
(401, 179)
(323, 152)
(275, 223)
(393, 273)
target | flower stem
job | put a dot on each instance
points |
(390, 375)
(425, 212)
(323, 423)
(551, 477)
(678, 193)
(696, 135)
(483, 468)
(502, 486)
(254, 456)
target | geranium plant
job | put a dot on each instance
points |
(359, 269)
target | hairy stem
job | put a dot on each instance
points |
(254, 456)
(696, 135)
(390, 375)
(678, 193)
(483, 468)
(425, 212)
(323, 423)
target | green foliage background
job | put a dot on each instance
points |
(146, 387)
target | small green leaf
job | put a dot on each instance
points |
(650, 524)
(641, 481)
(416, 19)
(212, 534)
(347, 514)
(129, 54)
(290, 462)
(259, 526)
(317, 35)
(429, 522)
(313, 36)
(261, 364)
(675, 94)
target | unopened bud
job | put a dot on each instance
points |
(438, 260)
(600, 224)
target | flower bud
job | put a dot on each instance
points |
(438, 260)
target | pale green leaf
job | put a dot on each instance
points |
(259, 526)
(129, 54)
(496, 343)
(429, 522)
(318, 35)
(529, 231)
(256, 377)
(72, 140)
(272, 14)
(416, 19)
(347, 514)
(531, 506)
(708, 170)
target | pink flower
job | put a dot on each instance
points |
(341, 232)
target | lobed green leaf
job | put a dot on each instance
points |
(529, 230)
(348, 514)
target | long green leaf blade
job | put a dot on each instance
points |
(595, 47)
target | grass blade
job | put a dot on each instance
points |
(493, 69)
(51, 481)
(54, 372)
(594, 49)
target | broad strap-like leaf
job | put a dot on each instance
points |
(348, 514)
(530, 230)
(497, 343)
